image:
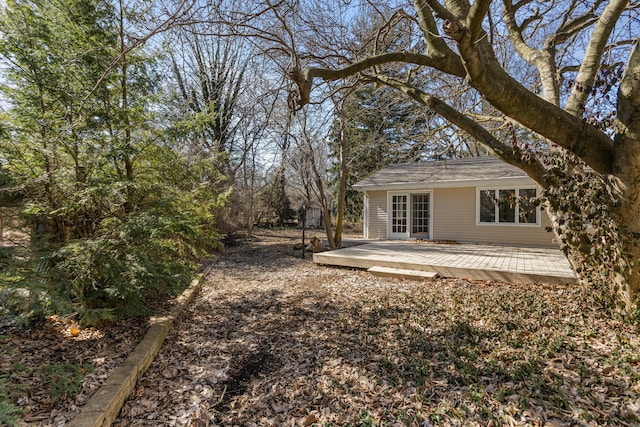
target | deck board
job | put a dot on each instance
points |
(477, 262)
(402, 273)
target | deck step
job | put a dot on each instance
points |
(402, 273)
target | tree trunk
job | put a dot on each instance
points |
(326, 214)
(128, 162)
(627, 169)
(342, 186)
(629, 282)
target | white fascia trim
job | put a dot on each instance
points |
(459, 183)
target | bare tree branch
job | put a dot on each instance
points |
(510, 154)
(593, 55)
(476, 15)
(572, 27)
(515, 32)
(437, 46)
(440, 11)
(304, 79)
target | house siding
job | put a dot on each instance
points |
(454, 218)
(378, 218)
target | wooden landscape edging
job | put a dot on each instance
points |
(105, 404)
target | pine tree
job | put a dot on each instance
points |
(380, 128)
(116, 215)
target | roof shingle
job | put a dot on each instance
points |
(452, 170)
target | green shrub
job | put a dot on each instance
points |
(64, 379)
(148, 255)
(8, 412)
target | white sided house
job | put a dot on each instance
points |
(474, 200)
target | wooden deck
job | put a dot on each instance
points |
(477, 262)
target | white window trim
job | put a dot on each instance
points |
(407, 234)
(365, 215)
(508, 224)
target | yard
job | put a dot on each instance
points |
(275, 340)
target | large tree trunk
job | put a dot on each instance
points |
(594, 187)
(326, 213)
(627, 169)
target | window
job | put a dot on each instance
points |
(507, 206)
(527, 212)
(487, 206)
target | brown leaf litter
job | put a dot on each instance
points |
(51, 370)
(273, 340)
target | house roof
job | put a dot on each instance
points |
(442, 173)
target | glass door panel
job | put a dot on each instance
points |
(398, 215)
(420, 215)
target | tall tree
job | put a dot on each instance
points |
(52, 57)
(276, 199)
(532, 81)
(113, 209)
(209, 75)
(515, 58)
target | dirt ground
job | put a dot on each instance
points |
(274, 340)
(51, 370)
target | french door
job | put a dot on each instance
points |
(420, 216)
(410, 216)
(399, 215)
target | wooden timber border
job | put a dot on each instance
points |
(104, 406)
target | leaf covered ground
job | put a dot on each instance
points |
(273, 340)
(48, 371)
